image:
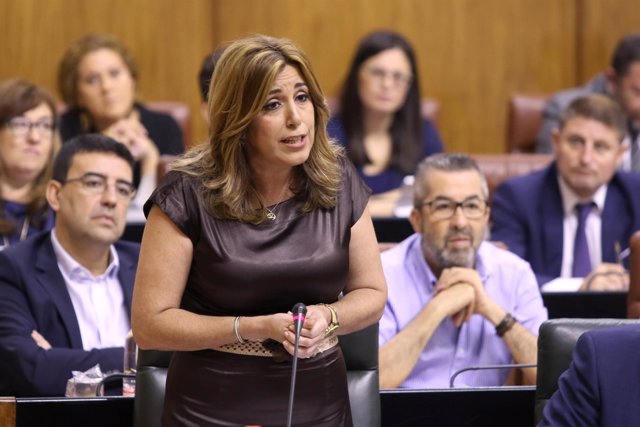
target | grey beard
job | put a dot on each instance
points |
(446, 258)
(456, 258)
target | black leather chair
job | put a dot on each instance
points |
(556, 341)
(361, 356)
(151, 377)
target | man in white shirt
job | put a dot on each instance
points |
(573, 219)
(65, 295)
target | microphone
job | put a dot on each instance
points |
(488, 367)
(298, 311)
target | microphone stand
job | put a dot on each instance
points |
(489, 367)
(299, 311)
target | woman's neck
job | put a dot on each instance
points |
(274, 188)
(376, 123)
(16, 190)
(103, 123)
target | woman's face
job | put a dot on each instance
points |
(26, 142)
(384, 80)
(282, 134)
(105, 87)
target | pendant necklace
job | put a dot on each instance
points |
(271, 213)
(23, 233)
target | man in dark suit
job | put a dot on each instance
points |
(536, 215)
(621, 82)
(601, 386)
(65, 295)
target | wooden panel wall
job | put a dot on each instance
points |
(602, 24)
(472, 54)
(168, 38)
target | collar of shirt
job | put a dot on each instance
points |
(72, 269)
(570, 198)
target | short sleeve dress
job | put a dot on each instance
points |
(240, 269)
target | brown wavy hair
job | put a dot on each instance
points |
(240, 85)
(16, 98)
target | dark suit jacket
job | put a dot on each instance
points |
(33, 295)
(527, 215)
(601, 386)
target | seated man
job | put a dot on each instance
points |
(572, 218)
(621, 82)
(601, 387)
(65, 295)
(454, 300)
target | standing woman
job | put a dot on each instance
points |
(97, 78)
(268, 213)
(379, 120)
(28, 144)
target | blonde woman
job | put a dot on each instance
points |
(267, 214)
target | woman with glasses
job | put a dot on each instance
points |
(28, 144)
(97, 79)
(379, 119)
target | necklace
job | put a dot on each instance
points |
(23, 233)
(271, 213)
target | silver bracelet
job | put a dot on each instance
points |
(236, 326)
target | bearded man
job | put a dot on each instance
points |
(455, 301)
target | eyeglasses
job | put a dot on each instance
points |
(444, 208)
(22, 126)
(397, 78)
(96, 183)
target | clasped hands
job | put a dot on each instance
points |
(460, 294)
(311, 334)
(130, 132)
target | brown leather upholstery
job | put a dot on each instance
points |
(523, 122)
(429, 107)
(499, 167)
(180, 113)
(633, 298)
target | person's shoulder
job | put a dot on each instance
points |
(500, 257)
(69, 124)
(26, 253)
(29, 245)
(616, 335)
(395, 256)
(524, 187)
(564, 97)
(147, 114)
(627, 178)
(163, 129)
(180, 179)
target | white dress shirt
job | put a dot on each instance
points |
(98, 301)
(593, 230)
